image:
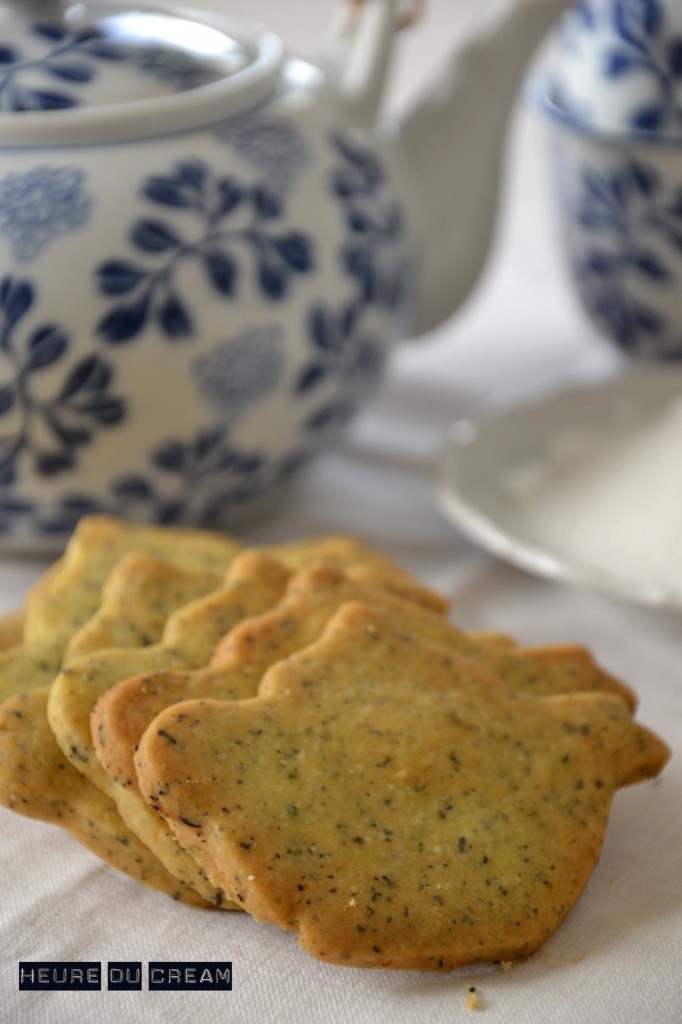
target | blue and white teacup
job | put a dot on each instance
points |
(620, 202)
(619, 65)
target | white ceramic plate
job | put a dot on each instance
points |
(484, 459)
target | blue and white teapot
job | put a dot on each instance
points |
(208, 246)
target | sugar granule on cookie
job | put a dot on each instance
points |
(395, 803)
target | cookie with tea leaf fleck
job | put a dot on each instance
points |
(241, 658)
(395, 803)
(142, 591)
(37, 781)
(312, 597)
(98, 631)
(254, 582)
(12, 623)
(361, 561)
(137, 599)
(72, 592)
(63, 598)
(97, 546)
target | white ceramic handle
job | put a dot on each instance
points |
(359, 50)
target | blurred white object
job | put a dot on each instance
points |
(584, 486)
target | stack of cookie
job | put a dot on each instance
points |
(300, 732)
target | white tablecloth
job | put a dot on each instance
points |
(617, 958)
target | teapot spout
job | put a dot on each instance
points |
(453, 141)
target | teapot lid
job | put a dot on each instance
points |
(79, 64)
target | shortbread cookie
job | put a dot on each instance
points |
(37, 781)
(393, 802)
(313, 596)
(139, 595)
(62, 599)
(12, 623)
(96, 547)
(361, 561)
(137, 599)
(255, 582)
(252, 647)
(72, 592)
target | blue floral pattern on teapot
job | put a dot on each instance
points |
(231, 219)
(54, 66)
(233, 233)
(207, 252)
(39, 205)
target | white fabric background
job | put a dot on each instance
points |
(617, 959)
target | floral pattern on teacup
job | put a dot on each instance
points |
(625, 45)
(644, 45)
(627, 254)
